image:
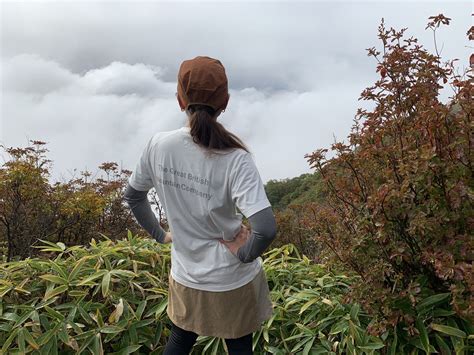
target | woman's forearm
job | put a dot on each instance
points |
(141, 209)
(264, 229)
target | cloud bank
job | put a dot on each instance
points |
(96, 80)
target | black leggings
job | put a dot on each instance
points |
(181, 341)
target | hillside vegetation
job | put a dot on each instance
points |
(300, 189)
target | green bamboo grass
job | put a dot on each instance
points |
(111, 297)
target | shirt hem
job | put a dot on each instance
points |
(220, 288)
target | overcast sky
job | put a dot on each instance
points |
(96, 79)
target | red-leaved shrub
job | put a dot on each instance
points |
(399, 210)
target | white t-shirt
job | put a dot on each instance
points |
(199, 193)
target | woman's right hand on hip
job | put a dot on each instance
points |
(239, 240)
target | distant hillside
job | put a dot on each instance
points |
(303, 188)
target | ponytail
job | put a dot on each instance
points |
(209, 133)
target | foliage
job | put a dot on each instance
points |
(111, 297)
(23, 191)
(70, 212)
(399, 207)
(309, 315)
(288, 198)
(292, 228)
(297, 190)
(97, 299)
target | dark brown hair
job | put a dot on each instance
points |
(209, 133)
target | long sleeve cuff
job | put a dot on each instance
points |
(141, 209)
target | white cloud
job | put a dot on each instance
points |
(96, 79)
(107, 114)
(125, 79)
(30, 73)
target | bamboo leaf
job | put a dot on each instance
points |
(308, 346)
(54, 313)
(327, 301)
(21, 341)
(355, 312)
(105, 284)
(10, 316)
(87, 280)
(342, 325)
(63, 334)
(77, 268)
(111, 329)
(141, 308)
(44, 338)
(98, 317)
(54, 246)
(61, 271)
(125, 273)
(371, 346)
(4, 290)
(55, 291)
(161, 308)
(61, 245)
(442, 345)
(448, 330)
(308, 304)
(393, 346)
(117, 313)
(143, 323)
(432, 300)
(86, 343)
(300, 344)
(425, 342)
(23, 318)
(7, 343)
(54, 279)
(30, 340)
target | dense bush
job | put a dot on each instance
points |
(292, 230)
(296, 190)
(71, 212)
(111, 297)
(399, 209)
(289, 198)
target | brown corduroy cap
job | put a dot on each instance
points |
(203, 80)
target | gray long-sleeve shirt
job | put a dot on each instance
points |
(262, 224)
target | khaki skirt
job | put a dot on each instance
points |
(226, 314)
